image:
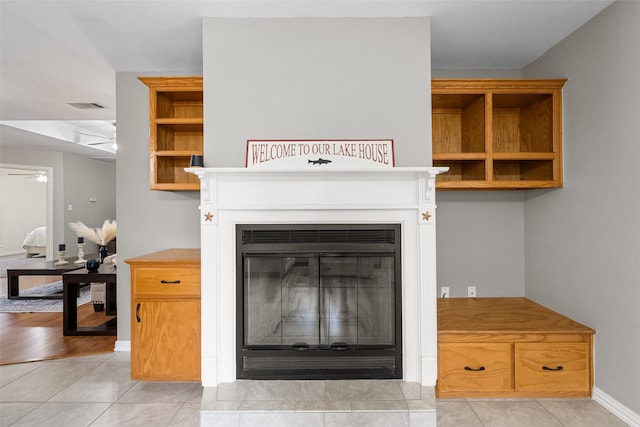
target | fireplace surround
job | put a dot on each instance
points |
(403, 197)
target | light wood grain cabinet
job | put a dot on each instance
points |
(165, 318)
(475, 367)
(497, 134)
(511, 347)
(552, 367)
(176, 130)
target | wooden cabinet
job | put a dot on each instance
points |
(165, 316)
(497, 134)
(511, 347)
(176, 130)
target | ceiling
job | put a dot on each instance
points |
(53, 53)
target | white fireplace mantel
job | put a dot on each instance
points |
(403, 195)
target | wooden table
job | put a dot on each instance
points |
(71, 281)
(44, 268)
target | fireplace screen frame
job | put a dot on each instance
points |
(335, 361)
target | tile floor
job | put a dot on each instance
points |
(96, 391)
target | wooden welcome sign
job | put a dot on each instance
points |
(339, 154)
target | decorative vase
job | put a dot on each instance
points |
(103, 253)
(92, 265)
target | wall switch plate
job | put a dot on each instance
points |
(471, 292)
(444, 292)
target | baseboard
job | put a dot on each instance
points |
(11, 253)
(616, 408)
(122, 346)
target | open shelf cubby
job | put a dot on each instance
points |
(176, 130)
(497, 134)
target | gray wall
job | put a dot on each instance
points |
(148, 221)
(480, 242)
(85, 178)
(583, 242)
(480, 236)
(331, 78)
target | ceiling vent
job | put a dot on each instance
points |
(86, 105)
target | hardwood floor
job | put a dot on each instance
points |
(28, 337)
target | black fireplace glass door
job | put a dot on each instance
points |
(281, 300)
(319, 301)
(357, 298)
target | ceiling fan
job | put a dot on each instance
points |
(109, 140)
(40, 176)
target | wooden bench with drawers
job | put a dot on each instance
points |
(511, 347)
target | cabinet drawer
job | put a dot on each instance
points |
(166, 282)
(474, 367)
(552, 367)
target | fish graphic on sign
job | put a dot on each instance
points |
(320, 161)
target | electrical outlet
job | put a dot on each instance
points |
(471, 292)
(444, 292)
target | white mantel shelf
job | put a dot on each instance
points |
(326, 181)
(319, 194)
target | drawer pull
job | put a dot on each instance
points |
(468, 368)
(138, 312)
(165, 282)
(557, 368)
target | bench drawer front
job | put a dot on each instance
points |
(552, 367)
(166, 282)
(474, 367)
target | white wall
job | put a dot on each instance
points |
(307, 78)
(583, 242)
(48, 159)
(23, 207)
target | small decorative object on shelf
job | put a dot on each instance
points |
(196, 161)
(61, 250)
(92, 265)
(80, 259)
(99, 236)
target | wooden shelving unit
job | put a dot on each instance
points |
(176, 130)
(497, 134)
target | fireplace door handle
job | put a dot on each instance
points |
(339, 346)
(138, 312)
(300, 346)
(557, 368)
(469, 368)
(166, 282)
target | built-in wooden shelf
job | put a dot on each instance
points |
(497, 134)
(176, 130)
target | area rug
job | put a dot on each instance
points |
(41, 305)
